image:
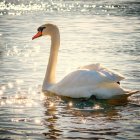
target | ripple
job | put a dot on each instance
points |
(104, 8)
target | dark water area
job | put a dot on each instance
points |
(92, 31)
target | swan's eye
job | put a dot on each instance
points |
(40, 29)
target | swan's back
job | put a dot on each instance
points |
(112, 75)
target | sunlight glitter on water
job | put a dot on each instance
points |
(56, 6)
(21, 99)
(37, 121)
(51, 104)
(21, 7)
(19, 81)
(18, 100)
(1, 92)
(84, 120)
(25, 120)
(10, 85)
(70, 104)
(96, 107)
(3, 88)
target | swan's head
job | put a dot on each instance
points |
(46, 29)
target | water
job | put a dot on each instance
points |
(106, 32)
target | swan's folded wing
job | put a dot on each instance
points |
(84, 83)
(79, 82)
(112, 75)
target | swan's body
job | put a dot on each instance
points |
(86, 81)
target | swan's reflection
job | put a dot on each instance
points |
(51, 117)
(64, 115)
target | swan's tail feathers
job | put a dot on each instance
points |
(126, 94)
(121, 99)
(129, 93)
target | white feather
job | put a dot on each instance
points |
(85, 83)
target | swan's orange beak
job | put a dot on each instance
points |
(37, 35)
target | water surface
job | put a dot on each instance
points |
(106, 32)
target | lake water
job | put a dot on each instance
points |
(106, 32)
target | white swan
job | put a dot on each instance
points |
(86, 81)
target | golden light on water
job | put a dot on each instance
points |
(29, 104)
(51, 104)
(10, 85)
(9, 102)
(37, 121)
(3, 88)
(14, 120)
(96, 107)
(2, 103)
(17, 96)
(15, 50)
(20, 120)
(19, 81)
(70, 104)
(84, 120)
(21, 98)
(42, 96)
(1, 92)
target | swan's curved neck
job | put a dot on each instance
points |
(51, 68)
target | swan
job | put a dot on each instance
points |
(86, 81)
